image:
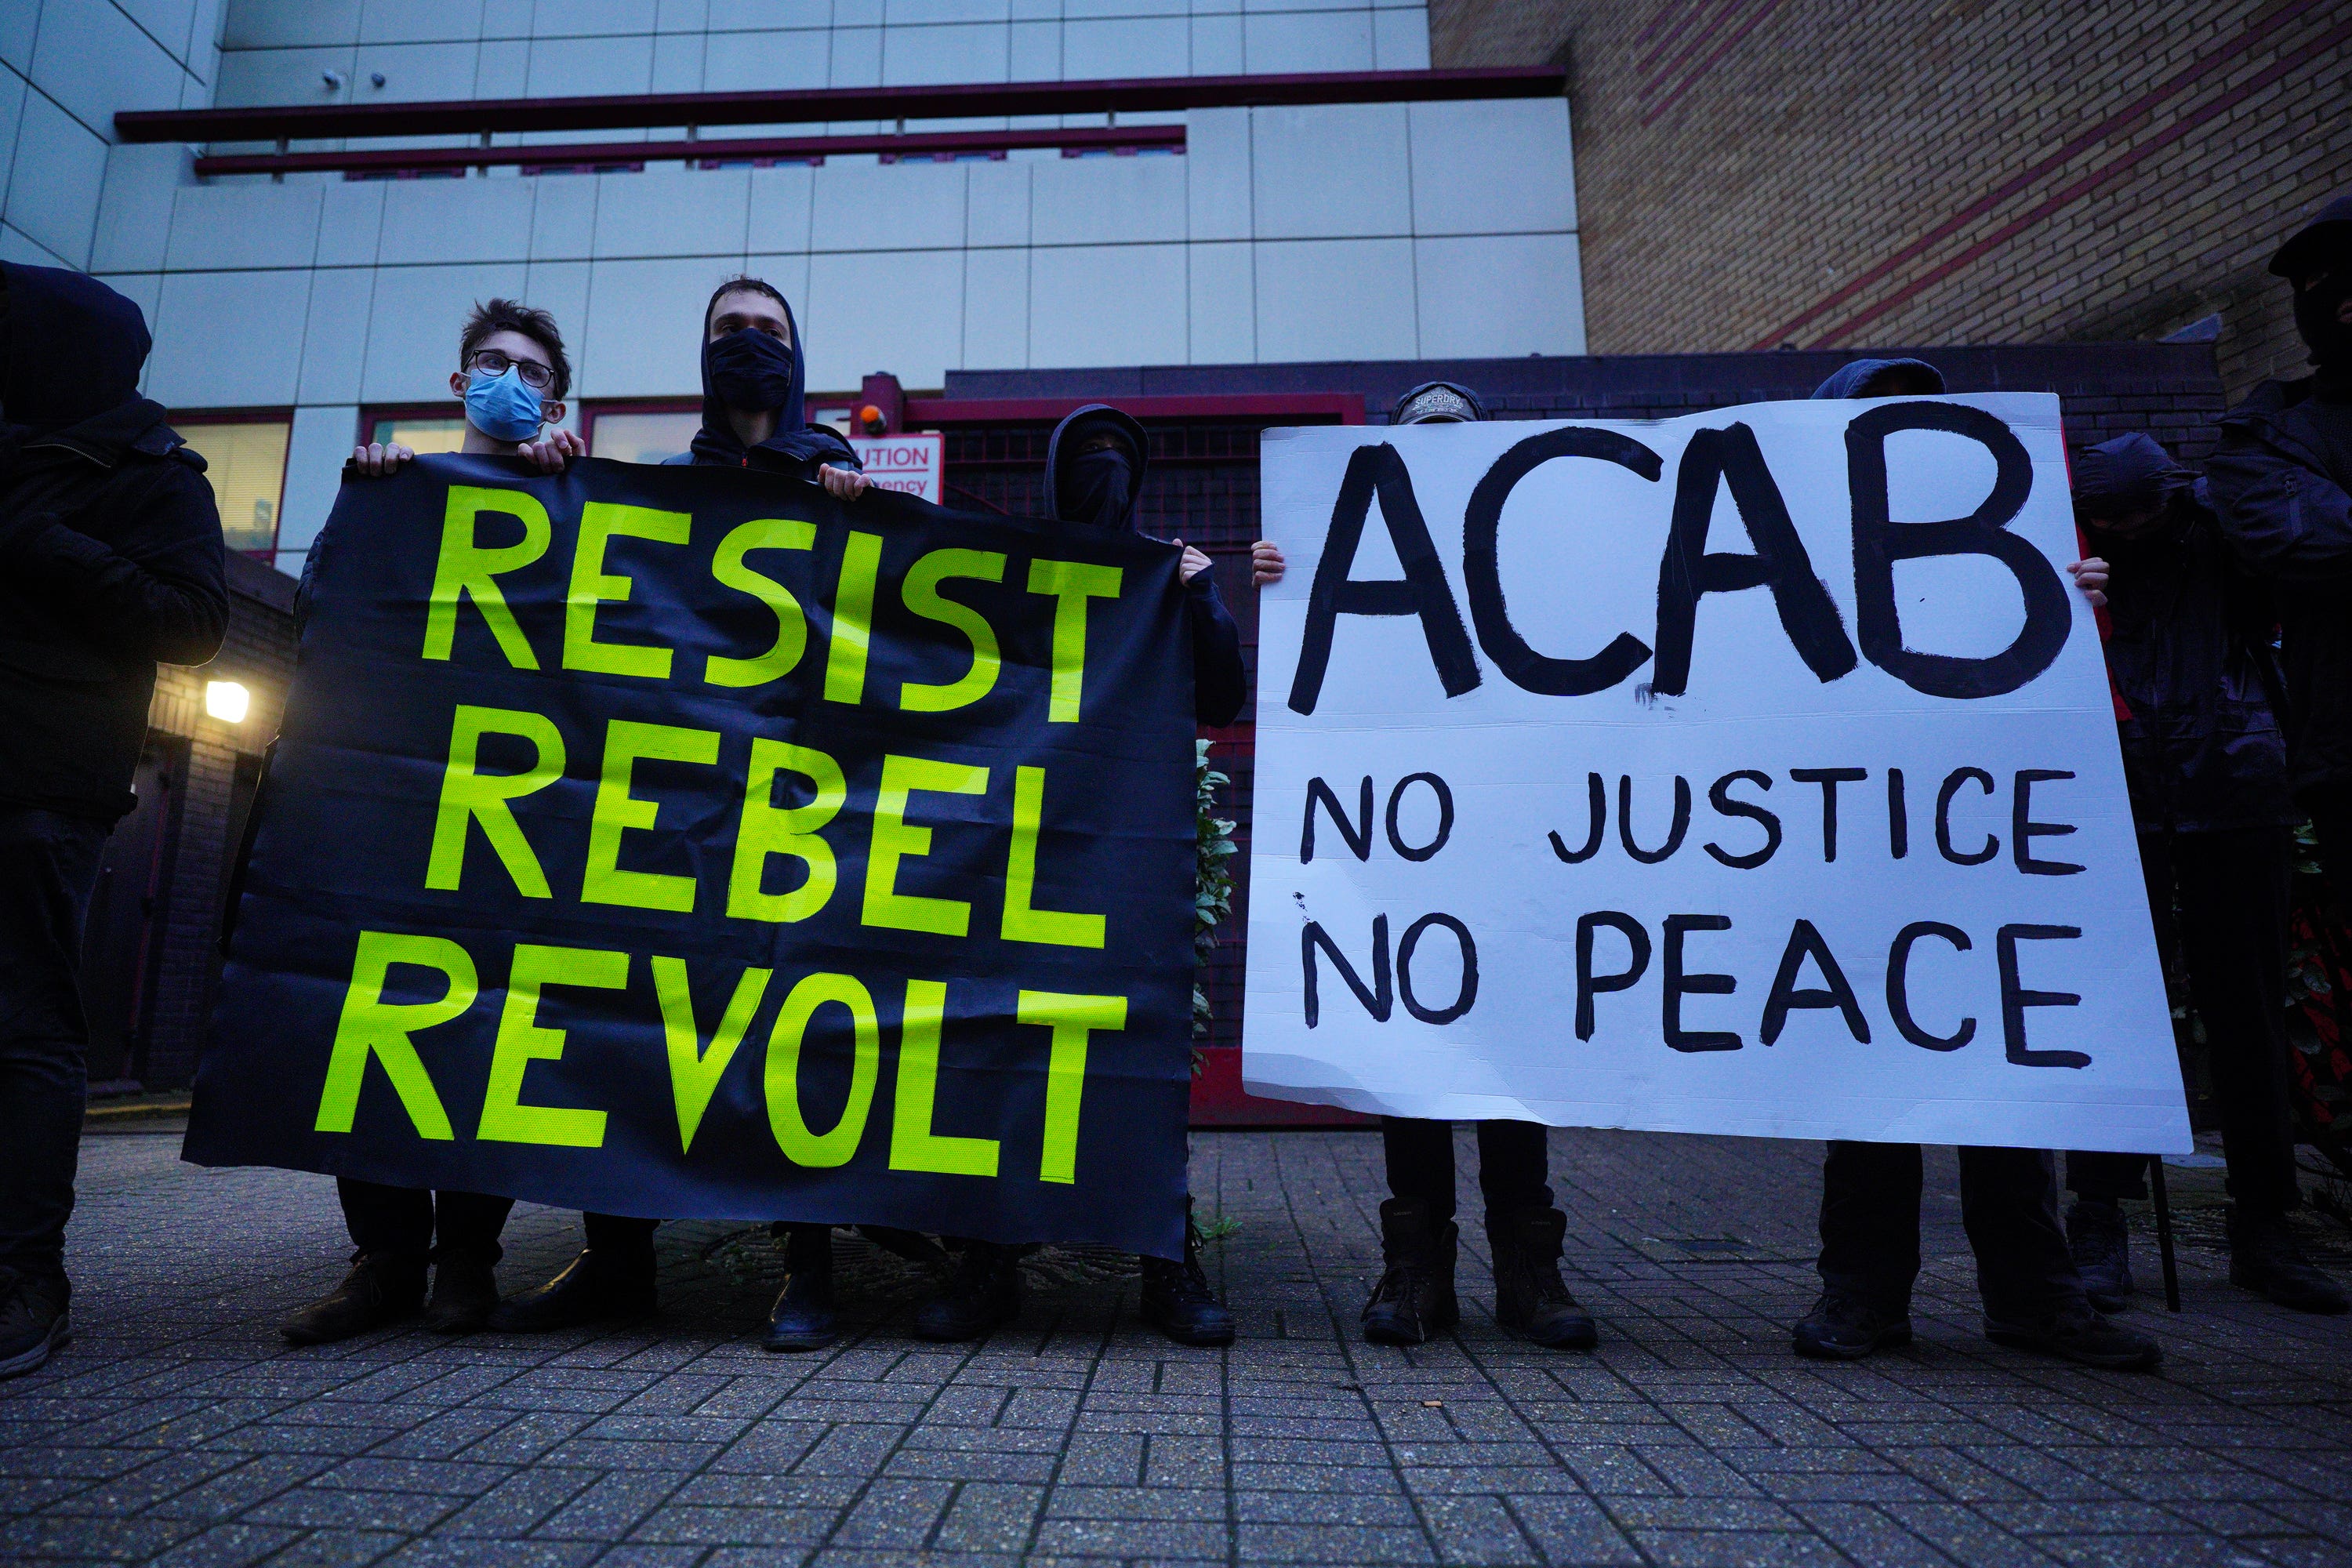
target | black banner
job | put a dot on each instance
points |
(681, 842)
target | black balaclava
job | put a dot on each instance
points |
(2323, 245)
(1097, 489)
(74, 348)
(771, 375)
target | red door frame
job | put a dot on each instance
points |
(1218, 1098)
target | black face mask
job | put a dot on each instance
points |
(1097, 489)
(750, 370)
(2315, 319)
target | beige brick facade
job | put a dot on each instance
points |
(1755, 172)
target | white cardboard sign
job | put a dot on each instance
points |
(913, 464)
(1754, 772)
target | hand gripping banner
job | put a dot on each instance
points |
(681, 842)
(1752, 772)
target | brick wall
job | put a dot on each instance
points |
(1752, 172)
(259, 655)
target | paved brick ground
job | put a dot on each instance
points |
(179, 1429)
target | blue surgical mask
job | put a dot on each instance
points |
(501, 407)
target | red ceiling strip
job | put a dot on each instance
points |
(2084, 186)
(823, 105)
(592, 154)
(2186, 77)
(1346, 408)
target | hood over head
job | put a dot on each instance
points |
(2324, 244)
(1849, 380)
(795, 441)
(2330, 226)
(1438, 403)
(2129, 474)
(1100, 488)
(73, 348)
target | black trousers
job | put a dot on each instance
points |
(48, 868)
(2009, 1202)
(1511, 1163)
(409, 1222)
(2231, 935)
(623, 1238)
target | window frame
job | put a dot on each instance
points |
(185, 420)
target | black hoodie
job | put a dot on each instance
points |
(109, 546)
(797, 447)
(1101, 491)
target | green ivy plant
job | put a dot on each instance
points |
(1213, 879)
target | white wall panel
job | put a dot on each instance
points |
(283, 77)
(1108, 201)
(995, 310)
(223, 227)
(280, 24)
(561, 288)
(1400, 40)
(780, 206)
(563, 215)
(19, 24)
(644, 326)
(58, 173)
(412, 341)
(1308, 41)
(896, 311)
(1500, 296)
(335, 333)
(457, 220)
(316, 449)
(765, 62)
(897, 207)
(1337, 299)
(420, 21)
(165, 21)
(415, 73)
(134, 212)
(788, 272)
(1129, 46)
(1108, 305)
(226, 340)
(735, 15)
(502, 69)
(1217, 172)
(856, 57)
(1330, 170)
(1033, 51)
(93, 60)
(1458, 147)
(997, 203)
(963, 52)
(1217, 45)
(677, 62)
(12, 110)
(577, 67)
(16, 246)
(673, 212)
(351, 222)
(1223, 295)
(682, 15)
(575, 18)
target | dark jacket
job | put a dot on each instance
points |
(2187, 650)
(1220, 683)
(797, 447)
(2281, 482)
(110, 546)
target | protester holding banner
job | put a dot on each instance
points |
(512, 377)
(1095, 464)
(1414, 1298)
(2282, 482)
(110, 561)
(2190, 654)
(2033, 1297)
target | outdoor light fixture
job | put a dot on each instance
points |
(226, 700)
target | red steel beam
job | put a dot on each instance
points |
(929, 412)
(1139, 95)
(920, 144)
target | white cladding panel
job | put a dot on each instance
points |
(1339, 232)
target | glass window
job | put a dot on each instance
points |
(245, 462)
(418, 433)
(641, 438)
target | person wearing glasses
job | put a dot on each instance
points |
(512, 374)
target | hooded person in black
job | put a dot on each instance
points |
(2282, 484)
(2188, 652)
(1095, 464)
(2033, 1296)
(110, 561)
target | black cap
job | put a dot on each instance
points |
(2330, 227)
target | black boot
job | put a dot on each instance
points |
(380, 1289)
(2265, 1258)
(983, 1293)
(801, 1319)
(1846, 1327)
(1415, 1298)
(34, 1322)
(2100, 1240)
(1530, 1299)
(2079, 1335)
(465, 1294)
(593, 1289)
(1177, 1299)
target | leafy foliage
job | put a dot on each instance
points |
(1212, 882)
